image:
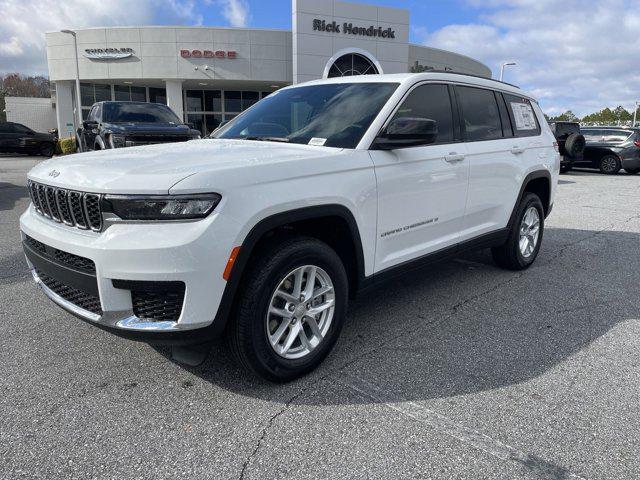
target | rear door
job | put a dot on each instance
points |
(421, 190)
(496, 158)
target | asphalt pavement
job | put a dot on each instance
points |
(461, 371)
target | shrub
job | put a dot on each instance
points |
(67, 145)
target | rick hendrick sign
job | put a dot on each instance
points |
(350, 28)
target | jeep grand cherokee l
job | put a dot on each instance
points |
(315, 193)
(130, 124)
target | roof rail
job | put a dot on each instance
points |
(470, 75)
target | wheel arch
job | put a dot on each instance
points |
(334, 224)
(538, 182)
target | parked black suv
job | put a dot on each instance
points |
(16, 138)
(571, 143)
(128, 124)
(610, 149)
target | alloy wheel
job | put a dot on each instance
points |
(300, 312)
(529, 232)
(608, 164)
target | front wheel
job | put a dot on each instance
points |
(290, 310)
(47, 150)
(610, 164)
(525, 237)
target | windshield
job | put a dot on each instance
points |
(138, 113)
(333, 115)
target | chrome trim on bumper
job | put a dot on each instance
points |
(124, 320)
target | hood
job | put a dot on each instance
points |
(133, 128)
(154, 169)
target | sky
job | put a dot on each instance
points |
(579, 55)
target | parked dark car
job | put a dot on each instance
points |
(16, 138)
(128, 124)
(571, 143)
(610, 149)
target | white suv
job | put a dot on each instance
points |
(317, 192)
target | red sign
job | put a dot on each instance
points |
(208, 54)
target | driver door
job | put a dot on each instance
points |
(422, 190)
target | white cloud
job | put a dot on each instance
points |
(24, 22)
(236, 12)
(578, 55)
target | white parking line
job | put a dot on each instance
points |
(536, 465)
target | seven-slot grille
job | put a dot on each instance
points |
(76, 209)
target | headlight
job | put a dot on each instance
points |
(117, 141)
(161, 207)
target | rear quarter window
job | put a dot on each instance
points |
(523, 117)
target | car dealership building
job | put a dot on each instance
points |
(210, 74)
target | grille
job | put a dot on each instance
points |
(59, 256)
(70, 294)
(76, 209)
(36, 245)
(149, 139)
(158, 306)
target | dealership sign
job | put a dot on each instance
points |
(208, 54)
(351, 29)
(108, 53)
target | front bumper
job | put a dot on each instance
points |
(189, 253)
(630, 163)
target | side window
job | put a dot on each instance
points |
(98, 113)
(525, 123)
(480, 114)
(6, 128)
(507, 128)
(432, 102)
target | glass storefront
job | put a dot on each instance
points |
(91, 93)
(206, 109)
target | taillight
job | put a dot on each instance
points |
(555, 147)
(637, 143)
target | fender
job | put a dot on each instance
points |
(267, 224)
(531, 176)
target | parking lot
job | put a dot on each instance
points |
(461, 371)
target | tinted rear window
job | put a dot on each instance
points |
(480, 114)
(523, 117)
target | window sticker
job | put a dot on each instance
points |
(317, 142)
(524, 116)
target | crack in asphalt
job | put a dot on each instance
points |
(534, 463)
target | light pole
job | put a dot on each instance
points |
(635, 112)
(78, 104)
(505, 64)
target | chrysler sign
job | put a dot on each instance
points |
(351, 29)
(108, 53)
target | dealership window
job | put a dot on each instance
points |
(352, 64)
(207, 109)
(129, 93)
(158, 95)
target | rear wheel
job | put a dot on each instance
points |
(525, 237)
(47, 150)
(610, 164)
(290, 310)
(632, 171)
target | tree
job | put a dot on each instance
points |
(17, 85)
(567, 116)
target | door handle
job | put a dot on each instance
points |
(517, 150)
(454, 157)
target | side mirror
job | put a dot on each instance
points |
(89, 125)
(405, 132)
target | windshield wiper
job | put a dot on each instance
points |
(266, 139)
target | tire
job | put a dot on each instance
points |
(252, 323)
(632, 171)
(609, 165)
(510, 255)
(47, 150)
(574, 145)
